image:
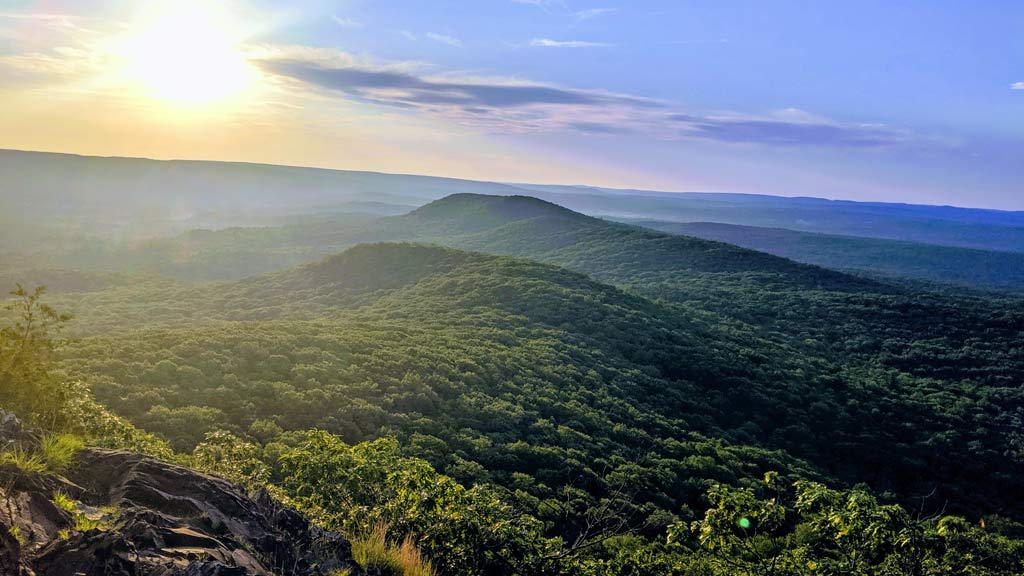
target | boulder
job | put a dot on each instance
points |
(12, 432)
(166, 520)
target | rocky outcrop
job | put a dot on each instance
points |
(11, 430)
(158, 519)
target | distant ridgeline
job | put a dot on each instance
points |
(524, 389)
(115, 214)
(887, 259)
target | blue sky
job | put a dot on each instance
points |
(898, 101)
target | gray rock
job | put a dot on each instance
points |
(169, 521)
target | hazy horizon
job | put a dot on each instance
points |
(566, 184)
(916, 103)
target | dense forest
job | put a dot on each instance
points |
(890, 259)
(523, 389)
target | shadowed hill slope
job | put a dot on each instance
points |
(984, 269)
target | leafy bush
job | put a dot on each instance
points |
(358, 489)
(227, 455)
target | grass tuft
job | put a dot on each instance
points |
(412, 560)
(376, 555)
(24, 461)
(83, 524)
(58, 451)
(64, 502)
(80, 520)
(373, 554)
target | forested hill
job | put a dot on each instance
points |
(850, 320)
(982, 269)
(533, 228)
(469, 349)
(649, 395)
(470, 213)
(820, 311)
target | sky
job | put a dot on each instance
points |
(917, 101)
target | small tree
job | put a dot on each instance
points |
(743, 534)
(27, 384)
(853, 533)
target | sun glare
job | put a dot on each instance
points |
(185, 52)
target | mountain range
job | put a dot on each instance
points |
(514, 382)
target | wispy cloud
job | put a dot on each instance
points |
(444, 39)
(408, 35)
(561, 7)
(549, 43)
(545, 5)
(57, 49)
(789, 128)
(53, 22)
(592, 13)
(1017, 86)
(345, 22)
(404, 87)
(507, 105)
(598, 128)
(489, 103)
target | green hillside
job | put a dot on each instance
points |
(983, 269)
(816, 310)
(577, 371)
(528, 227)
(453, 325)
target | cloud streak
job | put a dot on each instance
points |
(549, 43)
(390, 86)
(514, 106)
(346, 22)
(444, 39)
(1017, 86)
(807, 131)
(592, 13)
(545, 5)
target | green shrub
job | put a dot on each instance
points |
(58, 451)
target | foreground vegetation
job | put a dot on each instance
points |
(685, 407)
(408, 518)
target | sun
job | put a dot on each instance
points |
(185, 52)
